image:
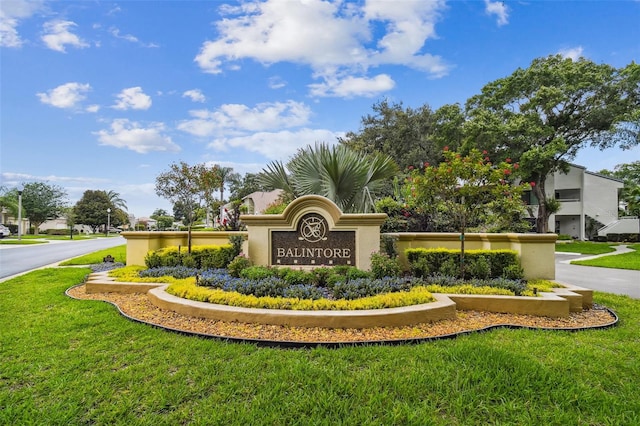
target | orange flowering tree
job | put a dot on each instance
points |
(468, 192)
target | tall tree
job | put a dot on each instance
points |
(226, 175)
(240, 187)
(116, 200)
(348, 178)
(42, 201)
(163, 219)
(404, 134)
(188, 185)
(544, 115)
(8, 201)
(468, 192)
(91, 209)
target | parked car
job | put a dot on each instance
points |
(115, 230)
(4, 231)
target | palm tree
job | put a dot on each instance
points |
(116, 201)
(348, 178)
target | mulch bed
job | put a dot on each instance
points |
(138, 307)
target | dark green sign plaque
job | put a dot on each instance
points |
(313, 244)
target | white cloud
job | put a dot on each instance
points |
(499, 9)
(131, 135)
(195, 95)
(133, 98)
(115, 32)
(65, 96)
(58, 35)
(340, 41)
(128, 37)
(240, 118)
(11, 13)
(353, 86)
(93, 108)
(276, 145)
(574, 53)
(276, 83)
(13, 179)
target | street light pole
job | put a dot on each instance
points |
(19, 214)
(108, 220)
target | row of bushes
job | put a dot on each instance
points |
(201, 257)
(618, 238)
(416, 296)
(480, 264)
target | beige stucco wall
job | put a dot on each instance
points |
(537, 251)
(140, 243)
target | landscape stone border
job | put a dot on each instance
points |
(559, 303)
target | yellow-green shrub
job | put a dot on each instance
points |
(469, 289)
(189, 290)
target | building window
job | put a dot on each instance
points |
(567, 194)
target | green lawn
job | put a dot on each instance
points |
(66, 361)
(15, 241)
(44, 238)
(119, 253)
(618, 261)
(584, 247)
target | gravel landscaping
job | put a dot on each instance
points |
(138, 307)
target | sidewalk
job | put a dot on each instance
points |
(619, 250)
(609, 280)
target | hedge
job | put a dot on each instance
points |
(478, 263)
(201, 257)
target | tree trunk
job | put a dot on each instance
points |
(542, 221)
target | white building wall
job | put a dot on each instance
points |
(601, 198)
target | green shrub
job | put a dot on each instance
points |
(321, 275)
(236, 242)
(258, 273)
(479, 267)
(450, 267)
(420, 267)
(237, 265)
(388, 245)
(513, 272)
(342, 273)
(296, 276)
(382, 265)
(201, 257)
(443, 260)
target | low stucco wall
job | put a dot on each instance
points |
(139, 243)
(442, 308)
(536, 251)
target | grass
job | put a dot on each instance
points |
(619, 261)
(119, 253)
(584, 247)
(66, 361)
(44, 238)
(12, 241)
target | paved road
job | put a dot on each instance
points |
(16, 259)
(617, 281)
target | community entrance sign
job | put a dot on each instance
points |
(313, 232)
(313, 244)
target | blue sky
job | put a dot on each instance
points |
(106, 95)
